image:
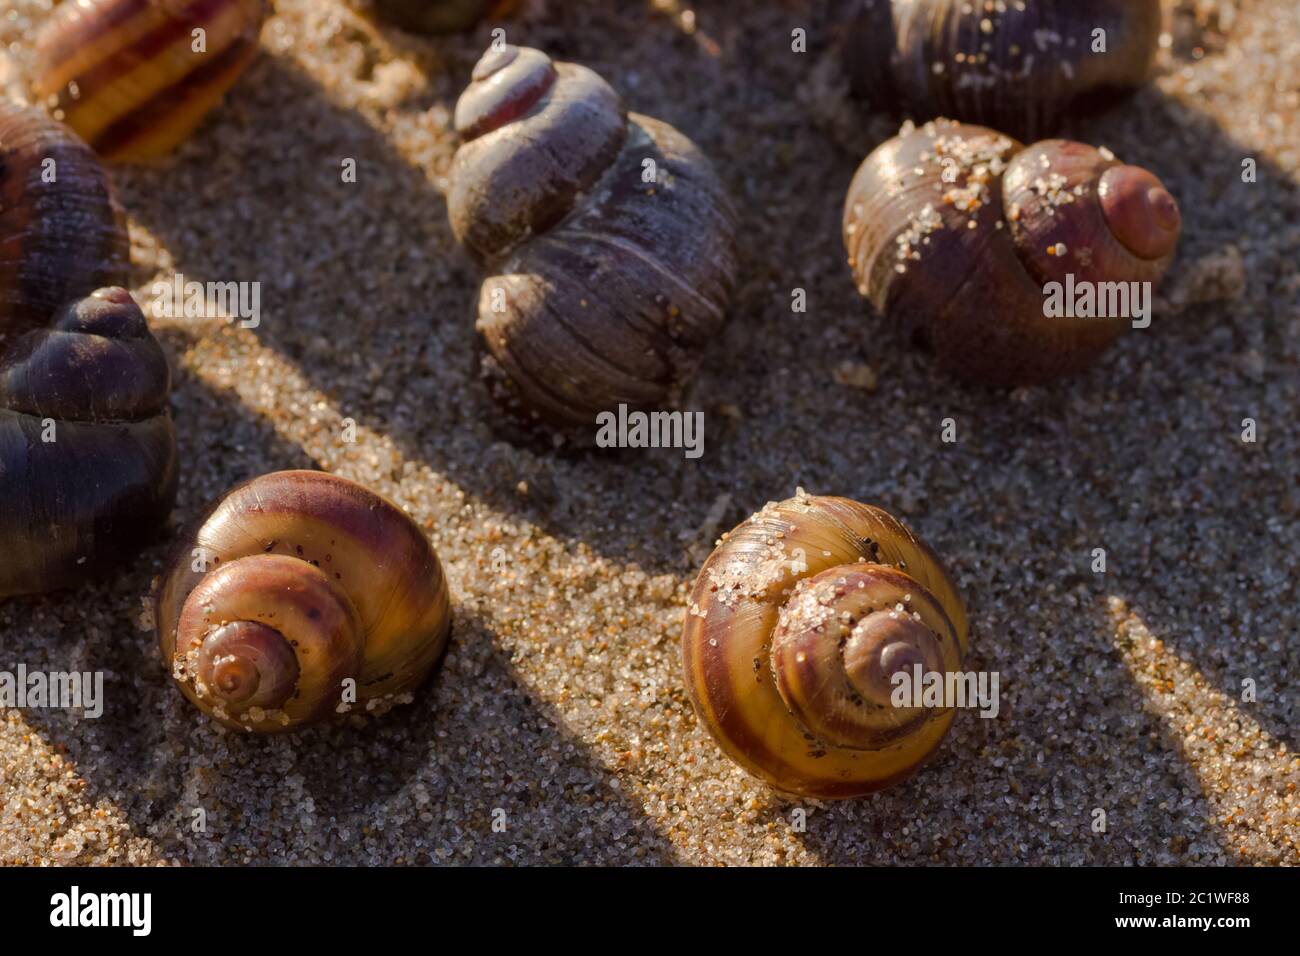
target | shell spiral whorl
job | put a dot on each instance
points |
(292, 584)
(957, 230)
(87, 448)
(796, 624)
(135, 77)
(606, 288)
(1017, 67)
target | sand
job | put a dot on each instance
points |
(560, 702)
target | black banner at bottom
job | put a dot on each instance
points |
(338, 906)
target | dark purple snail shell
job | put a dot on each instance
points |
(87, 448)
(1019, 67)
(955, 231)
(603, 289)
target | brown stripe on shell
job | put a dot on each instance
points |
(354, 510)
(127, 37)
(76, 27)
(161, 33)
(120, 135)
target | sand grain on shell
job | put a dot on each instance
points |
(560, 702)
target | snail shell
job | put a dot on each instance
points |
(87, 448)
(442, 16)
(956, 230)
(796, 624)
(135, 77)
(291, 584)
(605, 288)
(1017, 67)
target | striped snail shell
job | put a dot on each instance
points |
(441, 16)
(1015, 65)
(87, 448)
(134, 78)
(957, 231)
(796, 625)
(606, 284)
(294, 590)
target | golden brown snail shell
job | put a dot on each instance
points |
(135, 77)
(1015, 66)
(957, 230)
(293, 589)
(605, 288)
(87, 448)
(795, 625)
